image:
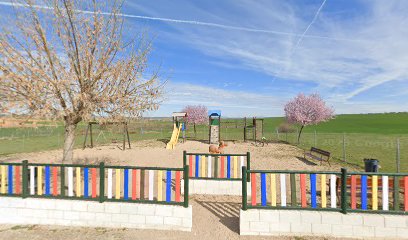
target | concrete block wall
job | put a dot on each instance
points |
(215, 187)
(331, 224)
(94, 214)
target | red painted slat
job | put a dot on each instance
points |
(54, 181)
(253, 189)
(303, 190)
(134, 184)
(93, 180)
(353, 192)
(222, 167)
(17, 180)
(406, 193)
(177, 186)
(190, 159)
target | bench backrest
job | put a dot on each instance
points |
(320, 151)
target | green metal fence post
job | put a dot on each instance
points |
(101, 182)
(244, 188)
(248, 176)
(344, 190)
(186, 187)
(184, 158)
(25, 179)
(62, 181)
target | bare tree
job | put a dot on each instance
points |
(67, 60)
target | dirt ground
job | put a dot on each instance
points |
(214, 217)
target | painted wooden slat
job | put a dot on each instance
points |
(203, 163)
(39, 181)
(17, 180)
(222, 169)
(86, 182)
(110, 184)
(273, 190)
(55, 181)
(333, 196)
(134, 187)
(47, 180)
(385, 198)
(263, 189)
(93, 181)
(10, 180)
(364, 192)
(353, 190)
(235, 167)
(117, 183)
(126, 184)
(78, 181)
(228, 166)
(32, 180)
(209, 166)
(283, 189)
(313, 197)
(293, 198)
(374, 194)
(190, 162)
(159, 185)
(178, 186)
(395, 193)
(323, 190)
(151, 184)
(142, 184)
(406, 193)
(253, 189)
(168, 186)
(216, 173)
(3, 179)
(70, 181)
(303, 190)
(197, 166)
(241, 165)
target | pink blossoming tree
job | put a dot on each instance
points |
(307, 110)
(196, 115)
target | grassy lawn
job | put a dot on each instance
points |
(366, 136)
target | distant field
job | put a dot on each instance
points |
(366, 136)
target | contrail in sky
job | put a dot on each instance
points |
(192, 22)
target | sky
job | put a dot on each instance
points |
(248, 58)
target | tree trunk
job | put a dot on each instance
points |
(300, 132)
(69, 141)
(195, 132)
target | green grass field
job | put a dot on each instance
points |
(366, 136)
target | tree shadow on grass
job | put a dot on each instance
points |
(305, 161)
(227, 212)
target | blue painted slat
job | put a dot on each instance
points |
(228, 166)
(10, 179)
(364, 192)
(313, 190)
(263, 189)
(126, 184)
(86, 182)
(47, 180)
(197, 166)
(168, 186)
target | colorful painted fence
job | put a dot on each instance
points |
(95, 182)
(328, 191)
(216, 166)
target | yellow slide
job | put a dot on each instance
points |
(174, 137)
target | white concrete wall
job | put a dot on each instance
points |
(333, 224)
(215, 187)
(94, 214)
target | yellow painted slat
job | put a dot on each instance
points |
(375, 192)
(159, 185)
(273, 190)
(203, 166)
(78, 181)
(39, 181)
(323, 190)
(117, 184)
(3, 179)
(235, 167)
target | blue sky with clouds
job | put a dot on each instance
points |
(248, 57)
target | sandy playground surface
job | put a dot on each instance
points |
(214, 217)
